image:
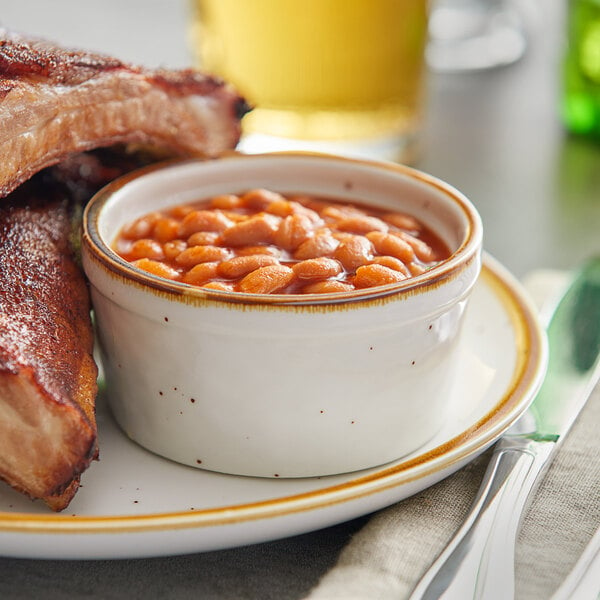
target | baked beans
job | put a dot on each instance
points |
(263, 242)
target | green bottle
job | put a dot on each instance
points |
(581, 93)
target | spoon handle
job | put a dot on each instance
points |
(479, 561)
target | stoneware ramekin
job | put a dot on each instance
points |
(280, 385)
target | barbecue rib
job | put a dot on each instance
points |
(47, 374)
(54, 104)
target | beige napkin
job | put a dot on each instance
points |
(387, 557)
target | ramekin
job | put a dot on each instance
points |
(280, 385)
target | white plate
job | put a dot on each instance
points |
(135, 504)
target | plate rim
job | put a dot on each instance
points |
(526, 379)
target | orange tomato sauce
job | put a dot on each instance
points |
(263, 242)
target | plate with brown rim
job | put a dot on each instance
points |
(134, 504)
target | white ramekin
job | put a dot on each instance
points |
(280, 385)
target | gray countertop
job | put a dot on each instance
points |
(496, 135)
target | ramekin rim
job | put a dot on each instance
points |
(107, 257)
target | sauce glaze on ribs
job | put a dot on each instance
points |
(54, 102)
(54, 105)
(47, 374)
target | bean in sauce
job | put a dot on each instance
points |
(264, 242)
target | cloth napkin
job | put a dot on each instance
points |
(387, 557)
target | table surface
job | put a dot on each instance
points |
(496, 135)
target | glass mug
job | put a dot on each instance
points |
(334, 75)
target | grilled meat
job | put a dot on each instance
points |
(54, 105)
(47, 373)
(55, 102)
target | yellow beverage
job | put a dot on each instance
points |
(319, 69)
